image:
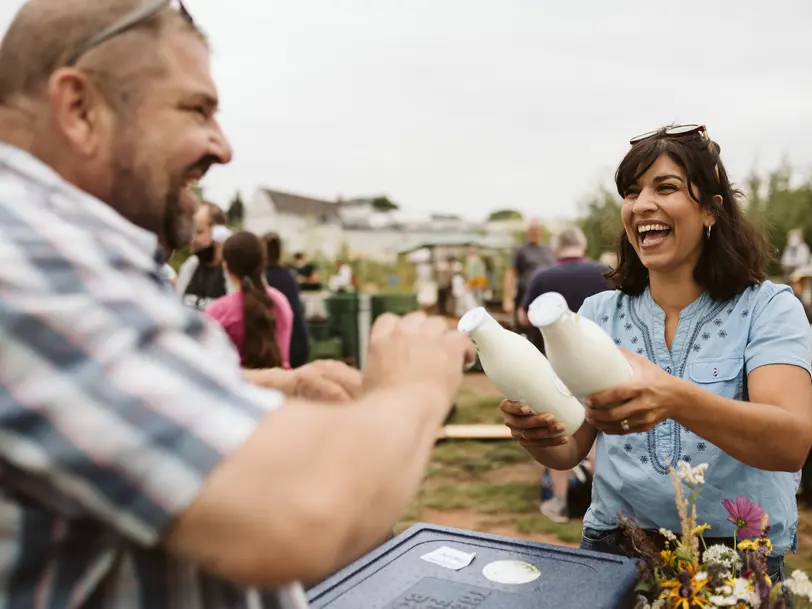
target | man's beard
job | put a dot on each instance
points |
(167, 214)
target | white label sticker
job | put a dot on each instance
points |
(513, 572)
(449, 558)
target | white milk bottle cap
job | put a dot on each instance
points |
(472, 320)
(547, 309)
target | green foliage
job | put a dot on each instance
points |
(505, 214)
(384, 204)
(236, 212)
(601, 223)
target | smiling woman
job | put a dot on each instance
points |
(721, 357)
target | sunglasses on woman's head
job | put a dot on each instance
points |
(128, 21)
(675, 131)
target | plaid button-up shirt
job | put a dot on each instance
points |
(117, 402)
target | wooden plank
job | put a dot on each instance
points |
(474, 432)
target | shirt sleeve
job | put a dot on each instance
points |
(780, 333)
(535, 290)
(117, 401)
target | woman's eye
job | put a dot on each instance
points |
(667, 188)
(630, 194)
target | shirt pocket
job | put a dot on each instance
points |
(722, 376)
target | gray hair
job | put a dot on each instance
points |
(569, 237)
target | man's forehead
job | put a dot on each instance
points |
(188, 62)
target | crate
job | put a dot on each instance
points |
(395, 577)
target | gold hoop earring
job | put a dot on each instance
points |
(708, 227)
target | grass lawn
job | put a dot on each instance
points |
(493, 486)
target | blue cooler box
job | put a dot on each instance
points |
(394, 576)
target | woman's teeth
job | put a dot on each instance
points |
(652, 234)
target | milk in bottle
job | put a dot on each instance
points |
(581, 353)
(520, 371)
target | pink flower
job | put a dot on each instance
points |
(746, 515)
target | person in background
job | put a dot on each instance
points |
(476, 279)
(201, 279)
(343, 280)
(526, 260)
(282, 279)
(257, 318)
(796, 253)
(445, 298)
(576, 278)
(307, 273)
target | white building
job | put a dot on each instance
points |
(319, 226)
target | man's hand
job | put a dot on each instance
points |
(322, 380)
(327, 381)
(416, 353)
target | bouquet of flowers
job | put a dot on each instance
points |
(685, 573)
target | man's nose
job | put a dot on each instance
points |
(220, 146)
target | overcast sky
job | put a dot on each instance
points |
(465, 106)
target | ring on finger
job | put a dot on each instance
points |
(624, 425)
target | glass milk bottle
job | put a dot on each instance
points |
(520, 371)
(581, 353)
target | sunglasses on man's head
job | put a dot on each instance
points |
(675, 131)
(127, 22)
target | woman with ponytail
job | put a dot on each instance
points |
(257, 318)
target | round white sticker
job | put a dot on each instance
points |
(513, 572)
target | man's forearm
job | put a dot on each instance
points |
(373, 486)
(319, 485)
(509, 285)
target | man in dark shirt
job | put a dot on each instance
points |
(527, 259)
(201, 279)
(307, 273)
(576, 278)
(282, 279)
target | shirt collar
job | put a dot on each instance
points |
(34, 170)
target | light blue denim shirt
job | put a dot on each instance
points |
(717, 344)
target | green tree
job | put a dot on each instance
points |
(505, 214)
(236, 211)
(601, 223)
(384, 204)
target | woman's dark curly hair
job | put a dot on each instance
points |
(736, 253)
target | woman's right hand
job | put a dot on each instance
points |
(531, 429)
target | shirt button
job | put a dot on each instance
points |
(668, 370)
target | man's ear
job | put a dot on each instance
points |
(78, 109)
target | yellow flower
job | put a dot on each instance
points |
(747, 544)
(701, 529)
(668, 557)
(673, 593)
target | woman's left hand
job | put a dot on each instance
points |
(637, 405)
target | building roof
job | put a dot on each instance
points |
(298, 205)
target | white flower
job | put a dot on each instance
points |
(668, 535)
(742, 591)
(723, 601)
(722, 555)
(658, 604)
(799, 584)
(692, 475)
(700, 576)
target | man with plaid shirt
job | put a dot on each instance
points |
(138, 467)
